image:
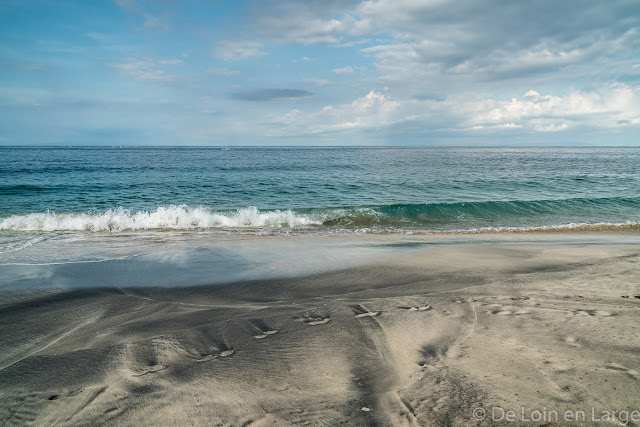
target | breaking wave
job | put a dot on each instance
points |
(163, 218)
(487, 216)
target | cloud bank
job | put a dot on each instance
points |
(609, 107)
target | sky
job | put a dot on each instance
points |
(330, 72)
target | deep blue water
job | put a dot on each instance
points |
(333, 190)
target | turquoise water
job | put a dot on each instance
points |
(313, 190)
(76, 217)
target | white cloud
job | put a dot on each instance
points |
(352, 43)
(316, 82)
(396, 14)
(307, 22)
(442, 47)
(152, 22)
(369, 111)
(500, 126)
(170, 61)
(546, 126)
(344, 70)
(129, 5)
(608, 106)
(611, 106)
(310, 31)
(144, 70)
(551, 54)
(232, 50)
(149, 21)
(448, 64)
(451, 66)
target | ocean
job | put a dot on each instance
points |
(315, 190)
(77, 204)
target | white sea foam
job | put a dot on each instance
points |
(21, 244)
(182, 217)
(171, 217)
(582, 226)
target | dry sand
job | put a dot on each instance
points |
(419, 339)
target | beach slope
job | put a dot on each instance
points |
(424, 338)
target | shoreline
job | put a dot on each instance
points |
(417, 336)
(77, 260)
(322, 230)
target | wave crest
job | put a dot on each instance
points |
(428, 217)
(172, 217)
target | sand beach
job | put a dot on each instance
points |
(424, 337)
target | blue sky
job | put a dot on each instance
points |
(374, 72)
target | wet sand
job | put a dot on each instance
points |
(421, 338)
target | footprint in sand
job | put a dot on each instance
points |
(224, 351)
(572, 342)
(213, 356)
(506, 311)
(70, 393)
(415, 308)
(313, 320)
(263, 328)
(558, 367)
(265, 334)
(631, 372)
(599, 313)
(149, 370)
(360, 311)
(317, 321)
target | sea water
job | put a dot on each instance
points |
(318, 190)
(58, 204)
